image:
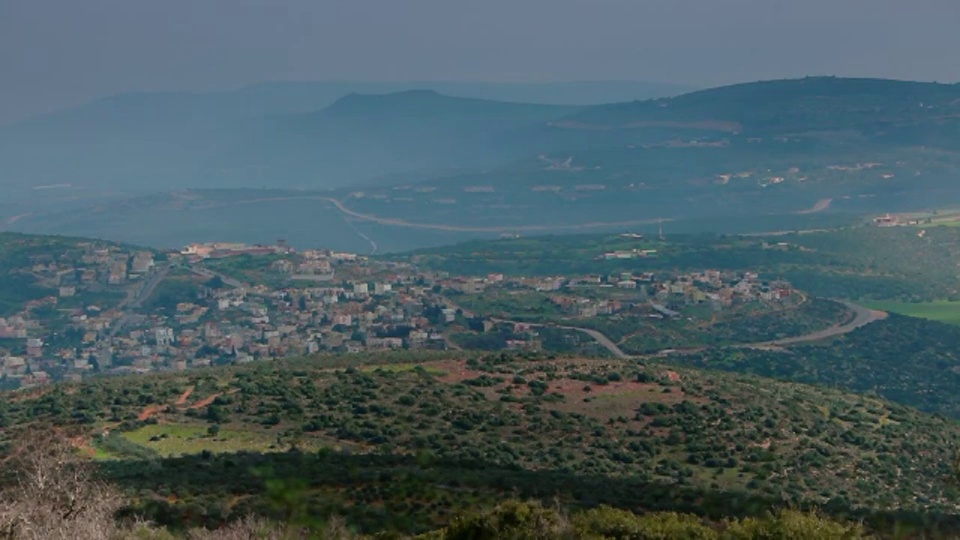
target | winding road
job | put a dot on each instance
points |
(862, 317)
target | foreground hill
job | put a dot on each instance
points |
(373, 435)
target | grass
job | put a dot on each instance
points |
(401, 368)
(184, 439)
(941, 310)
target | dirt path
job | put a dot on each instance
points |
(182, 400)
(205, 401)
(821, 205)
(150, 411)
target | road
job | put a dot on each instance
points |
(821, 205)
(210, 274)
(135, 299)
(601, 339)
(862, 317)
(441, 227)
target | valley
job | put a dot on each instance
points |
(697, 162)
(641, 372)
(409, 311)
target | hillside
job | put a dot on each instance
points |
(360, 137)
(862, 262)
(427, 168)
(24, 276)
(794, 106)
(902, 359)
(447, 432)
(765, 148)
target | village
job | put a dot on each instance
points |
(116, 311)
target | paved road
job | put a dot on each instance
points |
(210, 274)
(395, 222)
(601, 339)
(597, 336)
(862, 317)
(136, 298)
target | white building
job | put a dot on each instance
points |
(164, 336)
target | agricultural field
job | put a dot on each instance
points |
(942, 310)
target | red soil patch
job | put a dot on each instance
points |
(205, 401)
(149, 411)
(24, 395)
(673, 376)
(182, 400)
(455, 371)
(81, 444)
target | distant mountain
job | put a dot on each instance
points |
(419, 157)
(149, 142)
(365, 136)
(784, 106)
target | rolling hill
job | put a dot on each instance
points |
(156, 140)
(362, 137)
(767, 148)
(376, 438)
(812, 104)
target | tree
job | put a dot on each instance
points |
(55, 493)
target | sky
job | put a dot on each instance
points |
(57, 53)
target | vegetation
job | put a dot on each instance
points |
(943, 311)
(864, 262)
(51, 493)
(20, 284)
(902, 359)
(359, 438)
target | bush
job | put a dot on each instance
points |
(606, 522)
(790, 524)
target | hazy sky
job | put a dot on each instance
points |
(59, 52)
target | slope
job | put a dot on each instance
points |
(764, 148)
(142, 142)
(365, 136)
(396, 435)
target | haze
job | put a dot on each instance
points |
(55, 53)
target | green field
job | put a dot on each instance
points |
(941, 310)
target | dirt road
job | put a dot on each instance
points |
(821, 205)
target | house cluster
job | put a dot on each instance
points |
(315, 301)
(367, 307)
(888, 220)
(217, 250)
(598, 295)
(78, 279)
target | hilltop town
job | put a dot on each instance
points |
(112, 310)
